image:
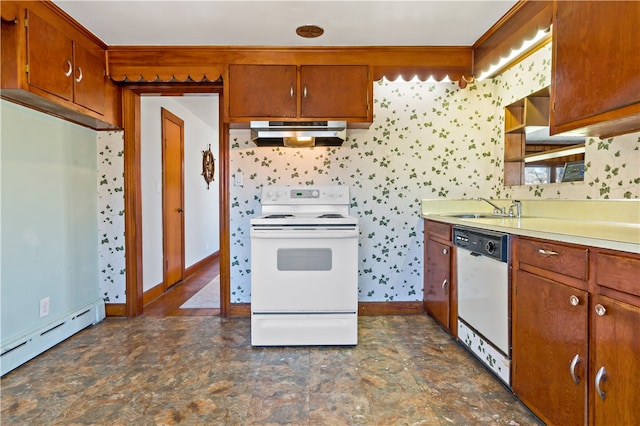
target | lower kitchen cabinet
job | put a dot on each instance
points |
(576, 333)
(438, 289)
(550, 348)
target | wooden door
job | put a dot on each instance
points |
(617, 352)
(262, 91)
(438, 282)
(334, 91)
(89, 79)
(549, 341)
(50, 58)
(172, 197)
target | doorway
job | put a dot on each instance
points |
(133, 191)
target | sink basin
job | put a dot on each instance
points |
(475, 216)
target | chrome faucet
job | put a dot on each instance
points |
(496, 210)
(518, 206)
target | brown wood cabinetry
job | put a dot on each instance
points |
(615, 322)
(596, 67)
(50, 64)
(550, 348)
(439, 292)
(576, 332)
(58, 65)
(289, 92)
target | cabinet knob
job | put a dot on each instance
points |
(445, 251)
(291, 91)
(69, 70)
(305, 91)
(79, 78)
(444, 286)
(600, 310)
(574, 300)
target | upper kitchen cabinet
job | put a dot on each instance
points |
(49, 64)
(290, 92)
(596, 67)
(62, 67)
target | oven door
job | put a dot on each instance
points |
(304, 271)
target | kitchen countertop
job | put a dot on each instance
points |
(612, 224)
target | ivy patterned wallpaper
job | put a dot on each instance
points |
(111, 262)
(428, 140)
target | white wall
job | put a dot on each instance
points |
(49, 218)
(202, 235)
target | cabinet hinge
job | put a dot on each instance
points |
(26, 68)
(26, 23)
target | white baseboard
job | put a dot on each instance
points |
(18, 351)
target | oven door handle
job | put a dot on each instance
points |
(304, 234)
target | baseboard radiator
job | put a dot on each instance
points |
(28, 346)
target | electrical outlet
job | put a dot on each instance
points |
(44, 307)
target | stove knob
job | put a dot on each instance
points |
(490, 247)
(315, 194)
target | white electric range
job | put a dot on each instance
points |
(304, 268)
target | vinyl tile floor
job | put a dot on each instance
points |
(200, 370)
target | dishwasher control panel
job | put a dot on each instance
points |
(486, 243)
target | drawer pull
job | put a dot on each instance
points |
(600, 310)
(545, 252)
(572, 369)
(291, 91)
(574, 300)
(444, 286)
(69, 70)
(600, 377)
(79, 79)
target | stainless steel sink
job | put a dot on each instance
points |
(475, 216)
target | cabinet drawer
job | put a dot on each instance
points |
(618, 273)
(566, 260)
(438, 230)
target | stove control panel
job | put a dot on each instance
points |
(318, 195)
(304, 193)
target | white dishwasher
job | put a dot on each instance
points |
(483, 297)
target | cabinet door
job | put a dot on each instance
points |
(438, 281)
(334, 91)
(549, 348)
(617, 357)
(594, 71)
(89, 79)
(50, 58)
(262, 91)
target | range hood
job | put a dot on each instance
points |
(298, 134)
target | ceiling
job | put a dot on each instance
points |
(274, 23)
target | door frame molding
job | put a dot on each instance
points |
(132, 187)
(168, 115)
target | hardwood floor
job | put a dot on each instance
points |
(168, 305)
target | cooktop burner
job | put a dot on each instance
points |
(331, 216)
(278, 216)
